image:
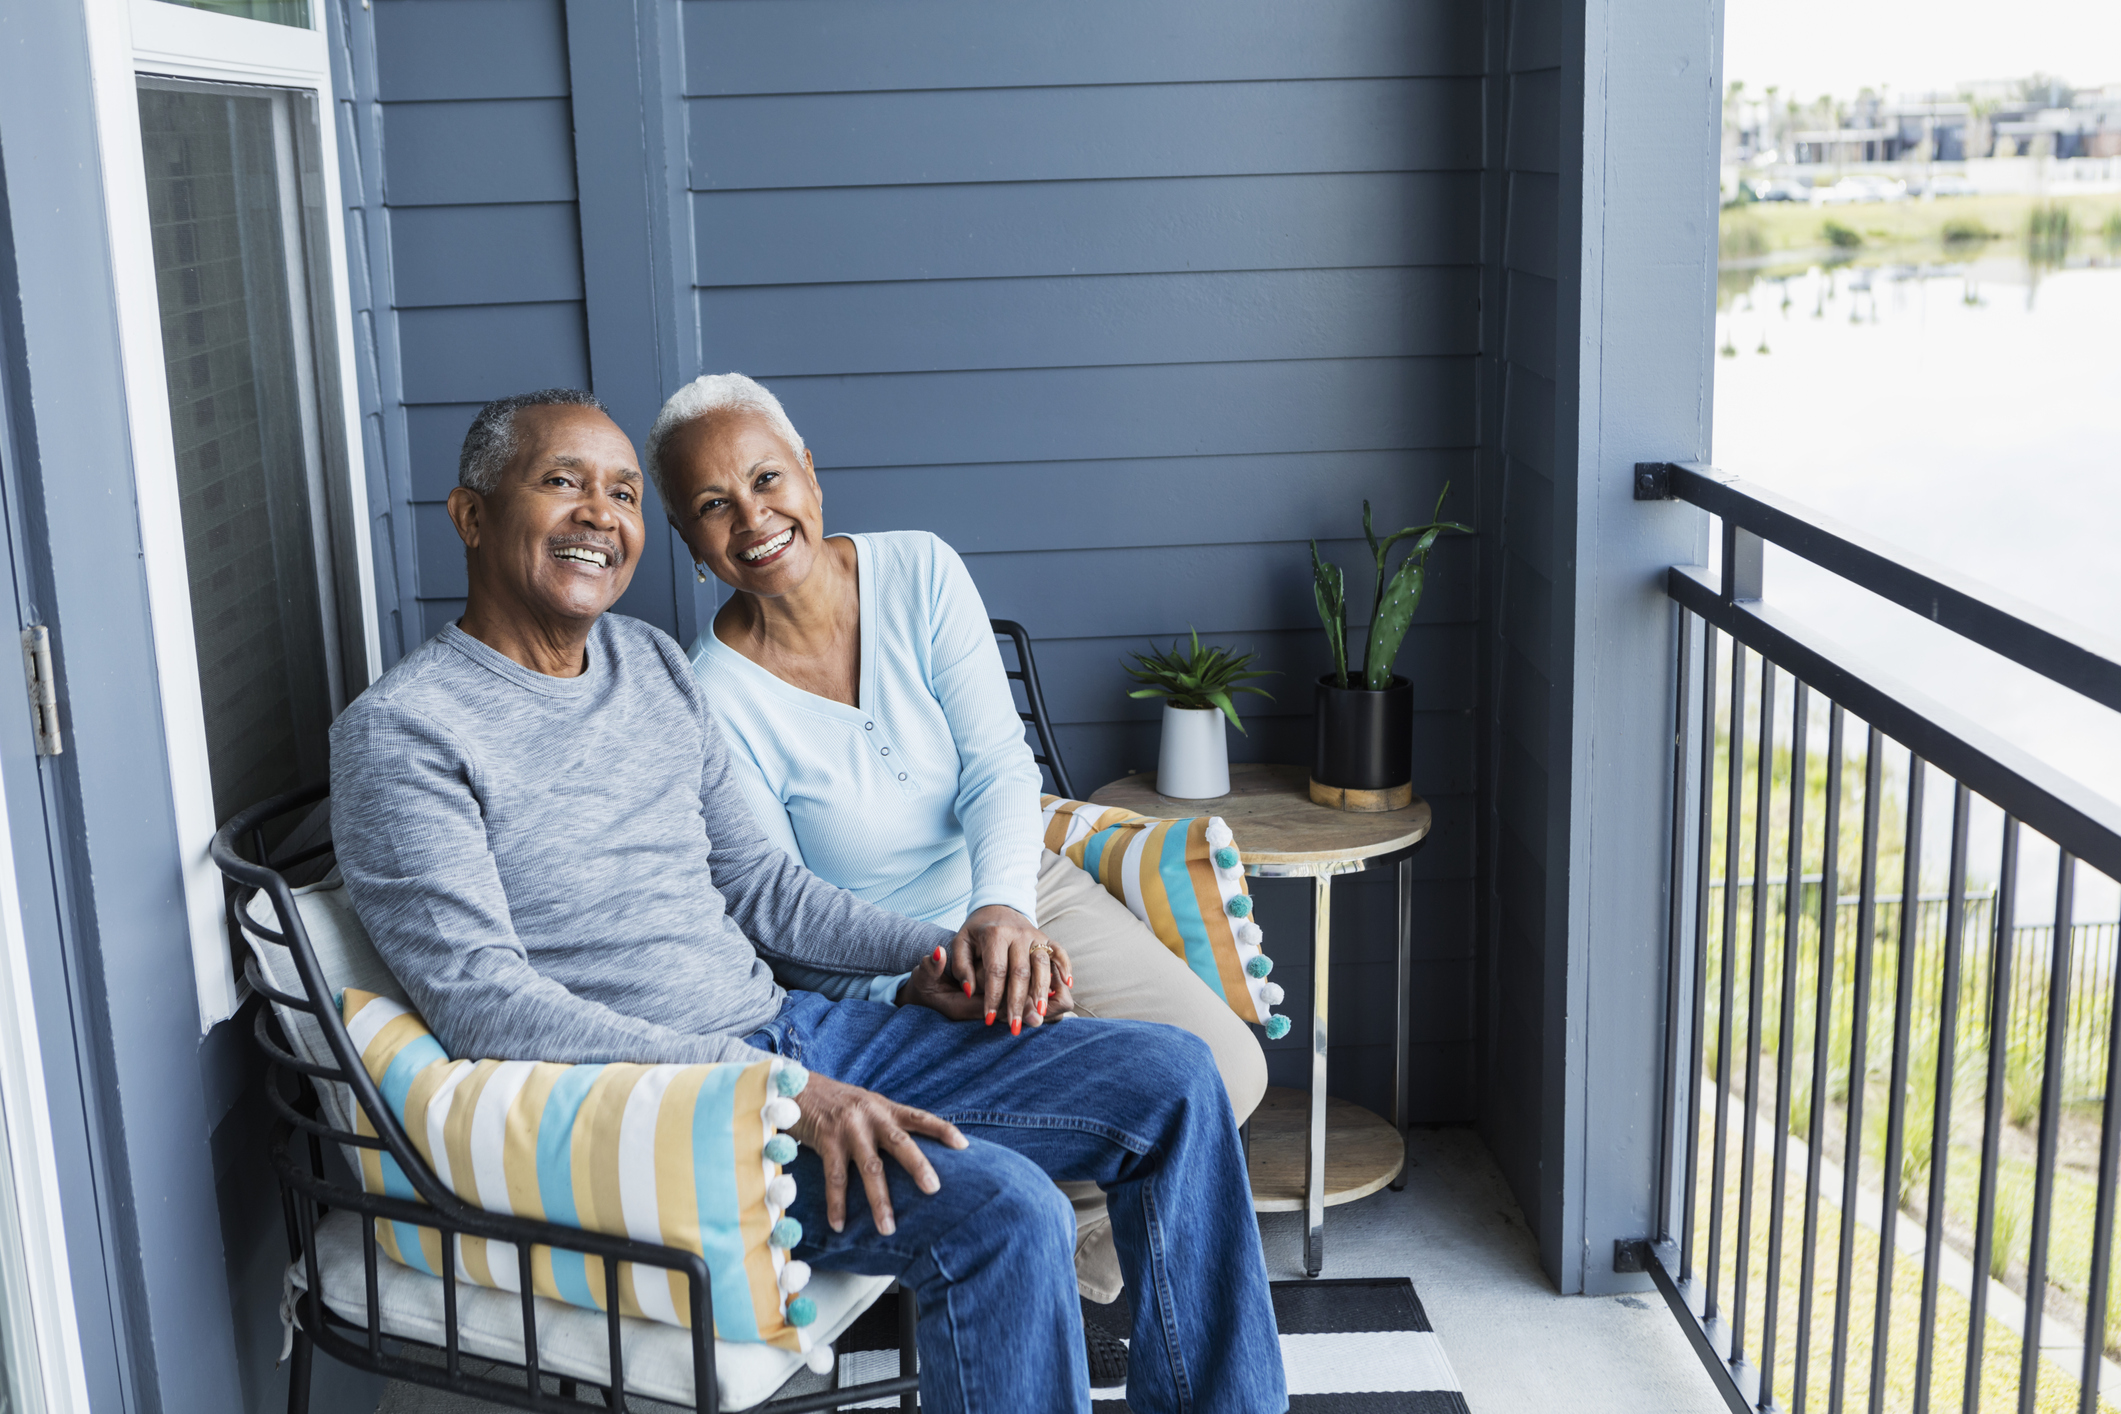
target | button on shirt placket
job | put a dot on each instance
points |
(883, 751)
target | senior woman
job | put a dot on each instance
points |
(860, 675)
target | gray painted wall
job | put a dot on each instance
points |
(1128, 301)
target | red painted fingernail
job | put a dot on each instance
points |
(1016, 1026)
(1067, 979)
(990, 1018)
(1042, 1008)
(938, 957)
(968, 989)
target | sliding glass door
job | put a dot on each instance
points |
(235, 203)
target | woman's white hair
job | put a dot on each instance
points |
(704, 396)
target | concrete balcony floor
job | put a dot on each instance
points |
(1517, 1346)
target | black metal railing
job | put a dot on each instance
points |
(1890, 1133)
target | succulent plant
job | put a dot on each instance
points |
(1197, 679)
(1392, 610)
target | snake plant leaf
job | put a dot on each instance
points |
(1328, 589)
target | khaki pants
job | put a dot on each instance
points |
(1124, 971)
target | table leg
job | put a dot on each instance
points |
(1315, 1159)
(1402, 1077)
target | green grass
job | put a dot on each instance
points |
(2001, 1347)
(1944, 227)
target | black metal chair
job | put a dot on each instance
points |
(308, 1193)
(1034, 712)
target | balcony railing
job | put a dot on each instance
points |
(1891, 1134)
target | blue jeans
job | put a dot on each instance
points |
(1136, 1107)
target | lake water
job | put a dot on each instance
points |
(1971, 414)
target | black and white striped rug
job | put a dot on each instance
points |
(1360, 1345)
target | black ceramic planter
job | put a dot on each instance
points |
(1362, 755)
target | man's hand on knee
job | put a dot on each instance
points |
(849, 1125)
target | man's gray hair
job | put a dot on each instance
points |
(490, 444)
(704, 396)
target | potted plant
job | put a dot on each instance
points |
(1362, 746)
(1198, 687)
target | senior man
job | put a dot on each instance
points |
(535, 818)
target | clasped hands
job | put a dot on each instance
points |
(998, 966)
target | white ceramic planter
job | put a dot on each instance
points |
(1194, 761)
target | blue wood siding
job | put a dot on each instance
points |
(1127, 302)
(1526, 655)
(474, 144)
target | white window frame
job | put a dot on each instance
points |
(128, 39)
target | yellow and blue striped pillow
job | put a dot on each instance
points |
(1183, 878)
(681, 1155)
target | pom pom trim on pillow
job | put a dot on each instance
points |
(1185, 879)
(680, 1155)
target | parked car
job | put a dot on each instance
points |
(1785, 191)
(1947, 186)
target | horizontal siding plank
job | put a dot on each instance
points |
(471, 353)
(1134, 595)
(1140, 593)
(1534, 220)
(1522, 798)
(1528, 516)
(1063, 134)
(434, 435)
(446, 255)
(1534, 141)
(1527, 703)
(1541, 32)
(465, 154)
(1528, 418)
(1067, 321)
(1137, 501)
(1155, 411)
(439, 553)
(1085, 678)
(998, 229)
(1528, 336)
(471, 49)
(769, 46)
(1527, 611)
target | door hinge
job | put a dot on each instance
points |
(43, 689)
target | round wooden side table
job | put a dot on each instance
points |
(1282, 834)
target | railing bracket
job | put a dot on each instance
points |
(1631, 1254)
(1653, 481)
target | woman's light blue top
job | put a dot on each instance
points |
(923, 799)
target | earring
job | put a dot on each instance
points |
(700, 570)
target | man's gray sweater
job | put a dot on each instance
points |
(531, 855)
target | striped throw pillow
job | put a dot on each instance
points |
(1184, 879)
(687, 1156)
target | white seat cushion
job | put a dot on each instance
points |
(346, 958)
(571, 1342)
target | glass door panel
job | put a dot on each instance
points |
(273, 12)
(235, 203)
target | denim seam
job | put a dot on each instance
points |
(1166, 1303)
(997, 1119)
